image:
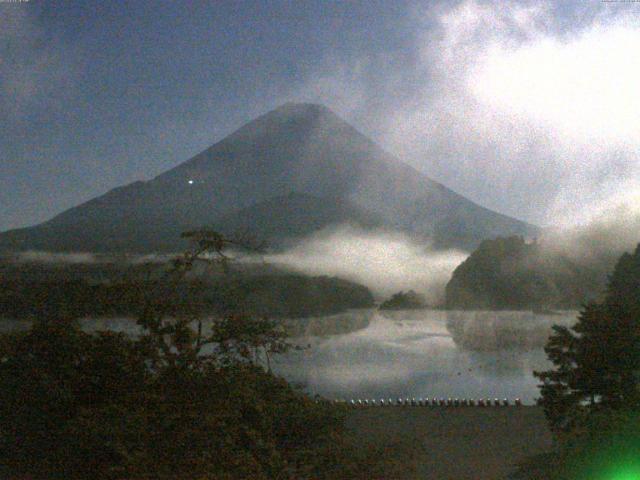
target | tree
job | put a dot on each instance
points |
(591, 397)
(402, 300)
(184, 400)
(510, 273)
(597, 361)
(51, 377)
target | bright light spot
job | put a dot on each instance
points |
(625, 471)
(626, 475)
(190, 182)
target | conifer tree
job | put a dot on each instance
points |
(597, 361)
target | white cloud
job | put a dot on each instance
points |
(49, 257)
(527, 108)
(385, 262)
(581, 89)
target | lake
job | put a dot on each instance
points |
(374, 354)
(412, 354)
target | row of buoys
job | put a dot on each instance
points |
(431, 402)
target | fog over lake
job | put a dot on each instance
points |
(412, 354)
(405, 353)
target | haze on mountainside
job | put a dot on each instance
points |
(289, 173)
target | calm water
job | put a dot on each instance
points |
(403, 354)
(412, 354)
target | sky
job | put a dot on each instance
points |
(530, 108)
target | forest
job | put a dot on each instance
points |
(509, 273)
(116, 290)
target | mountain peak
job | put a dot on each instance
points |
(297, 108)
(294, 122)
(301, 113)
(297, 147)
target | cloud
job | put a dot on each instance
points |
(61, 258)
(580, 88)
(528, 108)
(598, 242)
(38, 256)
(385, 262)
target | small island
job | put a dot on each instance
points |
(404, 301)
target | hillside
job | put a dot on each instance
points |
(116, 290)
(511, 274)
(294, 215)
(288, 173)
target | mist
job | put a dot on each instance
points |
(508, 103)
(386, 262)
(56, 258)
(611, 231)
(79, 258)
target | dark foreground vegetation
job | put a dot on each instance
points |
(511, 274)
(175, 403)
(77, 406)
(591, 397)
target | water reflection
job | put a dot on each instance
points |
(371, 354)
(409, 354)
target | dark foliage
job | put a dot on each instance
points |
(597, 361)
(404, 300)
(76, 405)
(511, 274)
(282, 295)
(181, 401)
(592, 395)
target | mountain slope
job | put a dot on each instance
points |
(293, 216)
(298, 148)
